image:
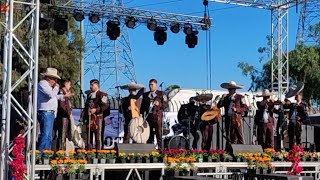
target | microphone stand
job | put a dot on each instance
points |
(119, 106)
(162, 143)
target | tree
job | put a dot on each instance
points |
(172, 87)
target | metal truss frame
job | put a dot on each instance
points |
(28, 52)
(309, 16)
(279, 38)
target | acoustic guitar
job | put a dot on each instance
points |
(213, 113)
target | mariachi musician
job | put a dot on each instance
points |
(208, 116)
(126, 108)
(264, 119)
(152, 106)
(93, 115)
(187, 117)
(298, 113)
(234, 105)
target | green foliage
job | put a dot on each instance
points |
(172, 87)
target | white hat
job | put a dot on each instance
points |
(266, 92)
(231, 85)
(51, 72)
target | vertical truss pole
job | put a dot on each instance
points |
(25, 49)
(279, 48)
(309, 17)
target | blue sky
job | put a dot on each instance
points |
(236, 34)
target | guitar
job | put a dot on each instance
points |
(212, 113)
(138, 128)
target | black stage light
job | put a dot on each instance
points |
(43, 24)
(192, 39)
(113, 29)
(160, 35)
(94, 18)
(130, 22)
(187, 29)
(60, 24)
(78, 16)
(175, 28)
(151, 25)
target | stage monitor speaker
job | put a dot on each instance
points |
(243, 148)
(135, 148)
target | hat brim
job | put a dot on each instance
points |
(50, 75)
(132, 86)
(297, 90)
(231, 86)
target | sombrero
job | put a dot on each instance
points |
(295, 89)
(51, 72)
(132, 86)
(231, 85)
(204, 97)
(266, 92)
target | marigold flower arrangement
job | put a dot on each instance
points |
(55, 166)
(130, 156)
(60, 154)
(80, 166)
(146, 155)
(71, 154)
(47, 153)
(111, 154)
(81, 153)
(17, 164)
(91, 153)
(155, 154)
(102, 154)
(37, 155)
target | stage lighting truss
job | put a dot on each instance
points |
(131, 16)
(113, 29)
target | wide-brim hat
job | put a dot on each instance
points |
(51, 72)
(266, 92)
(295, 89)
(132, 86)
(231, 85)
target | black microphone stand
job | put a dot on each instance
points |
(162, 143)
(119, 107)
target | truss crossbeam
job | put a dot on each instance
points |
(121, 13)
(262, 4)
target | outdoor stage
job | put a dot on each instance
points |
(221, 170)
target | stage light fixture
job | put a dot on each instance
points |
(151, 25)
(160, 35)
(60, 24)
(175, 28)
(78, 16)
(192, 39)
(94, 18)
(187, 29)
(130, 22)
(43, 24)
(113, 29)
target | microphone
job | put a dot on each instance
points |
(161, 84)
(117, 86)
(87, 92)
(246, 94)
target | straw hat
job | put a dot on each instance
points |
(231, 85)
(51, 72)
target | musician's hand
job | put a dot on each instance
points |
(234, 109)
(129, 108)
(157, 103)
(224, 95)
(68, 94)
(93, 110)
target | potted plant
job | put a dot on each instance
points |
(38, 157)
(146, 158)
(57, 169)
(131, 157)
(81, 167)
(102, 156)
(47, 154)
(70, 168)
(60, 154)
(138, 158)
(92, 156)
(81, 153)
(111, 156)
(71, 154)
(238, 157)
(155, 156)
(122, 157)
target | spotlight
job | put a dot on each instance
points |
(187, 29)
(60, 24)
(192, 39)
(160, 36)
(94, 18)
(130, 22)
(45, 1)
(43, 24)
(151, 25)
(113, 29)
(175, 28)
(78, 16)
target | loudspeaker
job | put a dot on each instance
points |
(243, 148)
(135, 148)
